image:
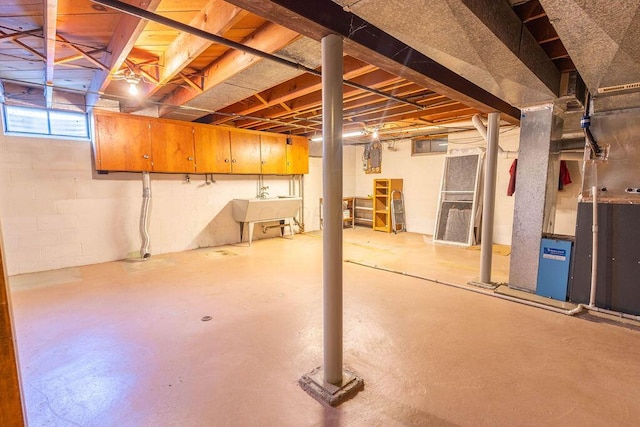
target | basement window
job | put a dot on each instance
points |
(429, 145)
(25, 121)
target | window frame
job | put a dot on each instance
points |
(432, 139)
(7, 111)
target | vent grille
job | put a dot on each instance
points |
(619, 88)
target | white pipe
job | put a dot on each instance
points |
(332, 147)
(572, 312)
(467, 288)
(594, 244)
(477, 122)
(144, 215)
(488, 204)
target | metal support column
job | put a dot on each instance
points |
(330, 383)
(488, 209)
(332, 207)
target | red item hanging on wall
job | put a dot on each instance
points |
(512, 181)
(565, 177)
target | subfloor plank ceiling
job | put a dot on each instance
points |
(408, 65)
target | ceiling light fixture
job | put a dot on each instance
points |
(133, 89)
(133, 79)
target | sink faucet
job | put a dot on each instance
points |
(263, 192)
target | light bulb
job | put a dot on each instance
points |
(133, 89)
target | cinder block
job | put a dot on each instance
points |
(39, 239)
(39, 176)
(54, 190)
(18, 191)
(18, 256)
(26, 207)
(11, 160)
(19, 225)
(83, 188)
(35, 265)
(66, 250)
(26, 144)
(57, 222)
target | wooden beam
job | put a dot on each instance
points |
(260, 98)
(291, 89)
(13, 36)
(86, 56)
(75, 57)
(11, 412)
(124, 36)
(190, 82)
(318, 18)
(529, 11)
(268, 38)
(556, 50)
(50, 21)
(29, 49)
(217, 17)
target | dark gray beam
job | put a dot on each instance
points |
(364, 41)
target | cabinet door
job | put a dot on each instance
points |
(122, 143)
(245, 152)
(172, 147)
(273, 154)
(297, 155)
(213, 149)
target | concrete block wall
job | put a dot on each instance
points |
(422, 177)
(56, 212)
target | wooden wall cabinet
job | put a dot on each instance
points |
(297, 155)
(122, 143)
(130, 143)
(245, 152)
(382, 196)
(212, 146)
(172, 148)
(273, 154)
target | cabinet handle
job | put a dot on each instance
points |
(226, 160)
(233, 161)
(146, 156)
(190, 158)
(263, 162)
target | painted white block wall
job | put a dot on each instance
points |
(56, 212)
(422, 177)
(421, 183)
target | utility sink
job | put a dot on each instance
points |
(281, 208)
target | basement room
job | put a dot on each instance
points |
(319, 213)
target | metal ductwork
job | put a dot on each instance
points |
(601, 36)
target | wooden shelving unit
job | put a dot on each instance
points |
(363, 211)
(382, 189)
(348, 218)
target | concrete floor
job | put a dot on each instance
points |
(123, 343)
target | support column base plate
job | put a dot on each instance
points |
(331, 394)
